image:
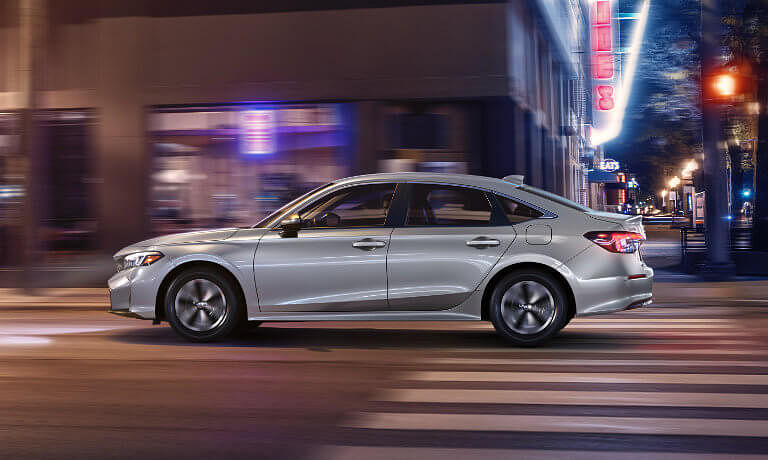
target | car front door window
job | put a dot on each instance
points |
(361, 206)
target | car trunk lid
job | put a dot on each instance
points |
(630, 223)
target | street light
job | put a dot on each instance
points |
(674, 182)
(689, 168)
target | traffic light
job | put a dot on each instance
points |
(729, 85)
(724, 85)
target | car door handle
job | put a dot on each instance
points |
(483, 242)
(368, 244)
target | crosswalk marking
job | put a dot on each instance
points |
(533, 423)
(593, 398)
(691, 379)
(468, 396)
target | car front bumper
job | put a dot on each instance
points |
(121, 301)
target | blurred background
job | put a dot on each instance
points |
(124, 120)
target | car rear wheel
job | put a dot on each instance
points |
(528, 308)
(202, 305)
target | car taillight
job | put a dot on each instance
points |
(620, 242)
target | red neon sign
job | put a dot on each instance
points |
(605, 97)
(602, 14)
(602, 38)
(602, 66)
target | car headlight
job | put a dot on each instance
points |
(138, 259)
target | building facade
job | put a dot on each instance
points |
(120, 121)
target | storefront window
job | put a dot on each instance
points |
(11, 190)
(233, 165)
(65, 205)
(429, 137)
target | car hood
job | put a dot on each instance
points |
(179, 238)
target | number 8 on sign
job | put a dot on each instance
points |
(605, 97)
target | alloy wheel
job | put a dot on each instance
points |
(527, 307)
(200, 305)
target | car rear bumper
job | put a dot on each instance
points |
(607, 295)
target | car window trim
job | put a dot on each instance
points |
(401, 198)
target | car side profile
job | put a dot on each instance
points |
(394, 247)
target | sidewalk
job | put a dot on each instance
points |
(71, 298)
(675, 288)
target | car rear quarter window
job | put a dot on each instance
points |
(445, 205)
(517, 212)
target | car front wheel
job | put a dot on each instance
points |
(528, 308)
(202, 305)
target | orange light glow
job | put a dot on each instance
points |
(725, 85)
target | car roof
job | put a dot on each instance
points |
(446, 178)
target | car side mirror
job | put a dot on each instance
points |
(289, 228)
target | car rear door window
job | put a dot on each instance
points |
(517, 212)
(446, 205)
(359, 206)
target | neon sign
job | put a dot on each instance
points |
(605, 97)
(612, 79)
(609, 165)
(258, 131)
(602, 13)
(602, 60)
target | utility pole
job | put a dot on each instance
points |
(717, 225)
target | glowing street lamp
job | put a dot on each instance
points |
(674, 182)
(663, 194)
(689, 168)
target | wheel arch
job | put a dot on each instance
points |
(169, 277)
(522, 267)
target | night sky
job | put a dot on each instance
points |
(662, 124)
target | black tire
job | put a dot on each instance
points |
(223, 320)
(532, 322)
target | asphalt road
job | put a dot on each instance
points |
(669, 379)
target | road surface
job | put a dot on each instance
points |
(681, 379)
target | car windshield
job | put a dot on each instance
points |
(272, 218)
(556, 198)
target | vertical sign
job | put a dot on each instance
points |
(602, 57)
(258, 131)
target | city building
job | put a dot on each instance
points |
(120, 120)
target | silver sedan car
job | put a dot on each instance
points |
(394, 247)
